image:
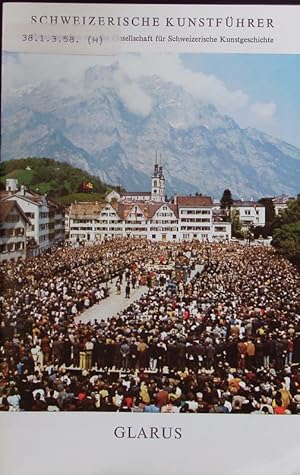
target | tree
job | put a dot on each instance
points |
(286, 235)
(236, 227)
(286, 239)
(226, 200)
(43, 174)
(56, 178)
(290, 215)
(267, 230)
(226, 203)
(260, 231)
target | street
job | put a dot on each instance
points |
(117, 303)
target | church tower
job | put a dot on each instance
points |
(158, 183)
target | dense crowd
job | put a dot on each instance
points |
(226, 340)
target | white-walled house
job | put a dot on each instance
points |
(163, 222)
(47, 226)
(281, 203)
(250, 213)
(112, 195)
(81, 221)
(195, 215)
(13, 231)
(155, 221)
(90, 221)
(135, 196)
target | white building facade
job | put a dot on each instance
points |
(153, 221)
(250, 213)
(13, 232)
(47, 226)
(146, 215)
(281, 203)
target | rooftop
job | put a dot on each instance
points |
(135, 193)
(194, 201)
(247, 204)
(7, 207)
(86, 208)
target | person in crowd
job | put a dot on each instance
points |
(222, 340)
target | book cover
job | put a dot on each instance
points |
(149, 240)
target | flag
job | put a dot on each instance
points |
(87, 186)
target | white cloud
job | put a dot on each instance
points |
(207, 88)
(34, 68)
(31, 69)
(169, 67)
(135, 99)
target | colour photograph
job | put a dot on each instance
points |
(149, 233)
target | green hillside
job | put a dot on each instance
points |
(59, 180)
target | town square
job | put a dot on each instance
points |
(199, 327)
(149, 239)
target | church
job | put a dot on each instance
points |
(147, 215)
(157, 193)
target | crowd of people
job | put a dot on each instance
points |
(223, 340)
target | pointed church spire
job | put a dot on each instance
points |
(160, 172)
(156, 164)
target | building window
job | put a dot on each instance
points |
(153, 236)
(12, 218)
(10, 232)
(247, 212)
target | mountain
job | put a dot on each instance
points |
(104, 126)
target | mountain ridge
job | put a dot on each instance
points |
(107, 127)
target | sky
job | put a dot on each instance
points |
(270, 79)
(256, 90)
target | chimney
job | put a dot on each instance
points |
(23, 190)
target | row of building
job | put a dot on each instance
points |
(150, 215)
(188, 217)
(31, 223)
